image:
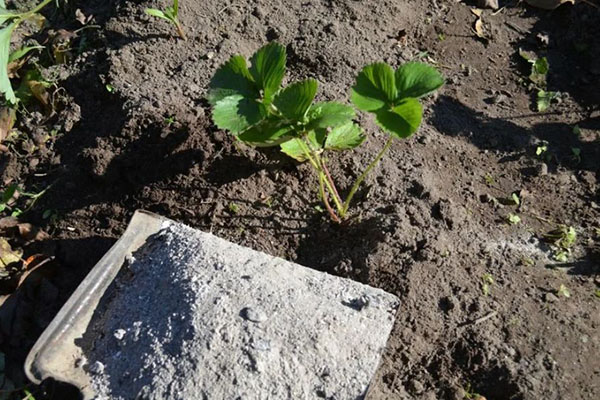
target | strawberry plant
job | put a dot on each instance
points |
(170, 14)
(10, 20)
(250, 103)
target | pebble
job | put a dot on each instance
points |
(120, 334)
(542, 169)
(254, 314)
(550, 297)
(97, 368)
(415, 387)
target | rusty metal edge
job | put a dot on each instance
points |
(55, 354)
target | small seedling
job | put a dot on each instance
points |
(541, 150)
(489, 180)
(10, 20)
(170, 120)
(171, 14)
(563, 291)
(233, 208)
(562, 240)
(250, 103)
(110, 88)
(539, 71)
(577, 130)
(528, 262)
(513, 219)
(487, 280)
(597, 293)
(471, 394)
(576, 154)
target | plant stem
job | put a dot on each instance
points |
(180, 30)
(319, 167)
(314, 161)
(330, 179)
(332, 213)
(39, 7)
(362, 177)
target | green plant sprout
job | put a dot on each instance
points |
(487, 280)
(10, 20)
(250, 103)
(171, 14)
(539, 71)
(562, 239)
(563, 291)
(9, 196)
(513, 219)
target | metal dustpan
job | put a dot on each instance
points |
(55, 354)
(302, 303)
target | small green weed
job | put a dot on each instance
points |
(170, 14)
(561, 240)
(487, 280)
(563, 291)
(539, 71)
(10, 20)
(233, 208)
(513, 219)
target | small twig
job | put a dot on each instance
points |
(485, 318)
(516, 28)
(589, 3)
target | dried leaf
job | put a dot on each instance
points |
(478, 29)
(31, 233)
(7, 223)
(80, 16)
(7, 121)
(7, 256)
(492, 4)
(477, 12)
(548, 4)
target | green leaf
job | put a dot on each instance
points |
(402, 120)
(375, 87)
(295, 100)
(5, 14)
(417, 80)
(8, 194)
(345, 137)
(170, 14)
(237, 113)
(539, 70)
(22, 52)
(294, 147)
(157, 13)
(5, 85)
(544, 99)
(268, 68)
(269, 132)
(232, 78)
(176, 7)
(329, 114)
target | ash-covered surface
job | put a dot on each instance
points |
(196, 317)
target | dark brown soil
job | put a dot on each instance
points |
(426, 227)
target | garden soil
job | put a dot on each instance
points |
(484, 306)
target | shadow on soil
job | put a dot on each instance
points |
(341, 249)
(453, 118)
